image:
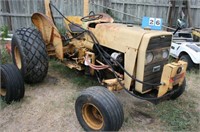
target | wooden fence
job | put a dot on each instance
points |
(17, 13)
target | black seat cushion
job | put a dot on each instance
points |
(75, 29)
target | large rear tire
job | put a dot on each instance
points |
(98, 109)
(30, 55)
(12, 83)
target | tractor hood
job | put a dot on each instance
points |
(132, 41)
(120, 36)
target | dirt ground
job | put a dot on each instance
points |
(49, 107)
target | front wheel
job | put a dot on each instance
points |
(180, 91)
(98, 109)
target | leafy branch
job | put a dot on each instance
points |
(4, 30)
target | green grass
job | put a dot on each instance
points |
(183, 113)
(195, 72)
(171, 59)
(179, 115)
(2, 104)
(5, 57)
(15, 104)
(73, 75)
(4, 30)
(62, 30)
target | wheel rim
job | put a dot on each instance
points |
(2, 89)
(3, 92)
(92, 116)
(17, 58)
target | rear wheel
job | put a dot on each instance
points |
(30, 55)
(12, 83)
(97, 109)
(187, 59)
(17, 57)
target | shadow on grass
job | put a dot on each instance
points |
(76, 77)
(15, 104)
(2, 104)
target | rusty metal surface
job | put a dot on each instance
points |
(118, 36)
(168, 75)
(196, 32)
(49, 32)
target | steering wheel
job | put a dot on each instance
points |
(91, 17)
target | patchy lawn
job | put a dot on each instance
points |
(49, 106)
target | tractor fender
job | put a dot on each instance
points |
(49, 32)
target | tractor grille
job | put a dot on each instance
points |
(153, 70)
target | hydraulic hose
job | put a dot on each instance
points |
(104, 54)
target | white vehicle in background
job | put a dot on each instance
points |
(184, 48)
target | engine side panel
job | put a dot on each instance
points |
(118, 36)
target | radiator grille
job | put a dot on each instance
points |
(159, 42)
(156, 45)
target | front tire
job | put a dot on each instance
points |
(180, 91)
(98, 109)
(30, 55)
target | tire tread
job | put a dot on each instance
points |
(35, 57)
(14, 83)
(106, 98)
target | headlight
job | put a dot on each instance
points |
(165, 54)
(149, 57)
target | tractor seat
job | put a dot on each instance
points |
(75, 29)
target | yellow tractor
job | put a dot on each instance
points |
(123, 57)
